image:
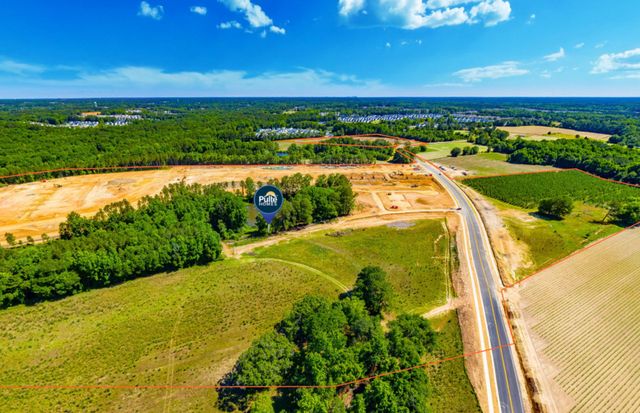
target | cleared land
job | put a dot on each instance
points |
(188, 327)
(542, 132)
(486, 163)
(284, 144)
(39, 207)
(583, 318)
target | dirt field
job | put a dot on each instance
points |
(285, 143)
(581, 319)
(541, 132)
(38, 207)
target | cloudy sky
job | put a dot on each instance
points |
(133, 48)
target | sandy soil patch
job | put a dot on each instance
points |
(39, 207)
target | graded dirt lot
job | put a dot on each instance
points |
(285, 143)
(38, 207)
(582, 327)
(542, 132)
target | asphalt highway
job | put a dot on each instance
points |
(508, 389)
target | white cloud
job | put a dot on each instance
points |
(491, 12)
(415, 14)
(579, 46)
(347, 7)
(252, 12)
(201, 10)
(532, 18)
(229, 25)
(387, 45)
(554, 57)
(18, 68)
(277, 30)
(477, 74)
(154, 12)
(626, 64)
(255, 16)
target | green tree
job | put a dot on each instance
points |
(556, 207)
(455, 152)
(10, 238)
(261, 224)
(627, 213)
(374, 289)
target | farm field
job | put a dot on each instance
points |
(188, 327)
(527, 190)
(542, 132)
(485, 163)
(542, 241)
(583, 322)
(39, 207)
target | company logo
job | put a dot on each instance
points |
(268, 201)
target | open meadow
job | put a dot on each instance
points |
(188, 327)
(583, 321)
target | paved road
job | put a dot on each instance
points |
(504, 359)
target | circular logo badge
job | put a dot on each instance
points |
(268, 200)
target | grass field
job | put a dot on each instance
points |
(527, 190)
(551, 240)
(585, 316)
(188, 327)
(452, 391)
(442, 149)
(415, 262)
(487, 163)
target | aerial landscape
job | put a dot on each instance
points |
(340, 206)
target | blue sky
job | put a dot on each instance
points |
(75, 48)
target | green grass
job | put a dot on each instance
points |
(198, 320)
(551, 240)
(488, 163)
(442, 149)
(414, 258)
(452, 391)
(527, 190)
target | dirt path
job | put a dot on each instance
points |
(342, 223)
(316, 271)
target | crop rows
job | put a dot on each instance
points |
(526, 191)
(586, 312)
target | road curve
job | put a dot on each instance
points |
(509, 392)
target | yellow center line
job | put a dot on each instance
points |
(495, 325)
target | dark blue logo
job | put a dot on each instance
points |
(268, 200)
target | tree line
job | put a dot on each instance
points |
(329, 197)
(323, 342)
(180, 227)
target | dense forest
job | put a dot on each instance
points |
(180, 227)
(226, 131)
(324, 343)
